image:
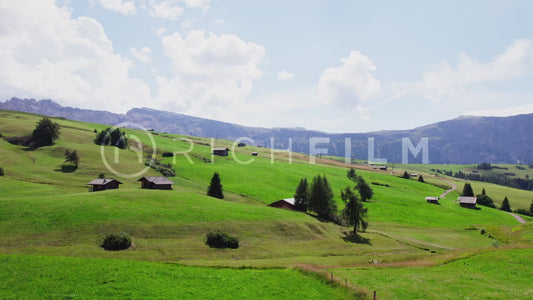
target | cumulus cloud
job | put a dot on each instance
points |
(143, 54)
(173, 9)
(121, 6)
(445, 80)
(284, 75)
(211, 71)
(351, 83)
(45, 53)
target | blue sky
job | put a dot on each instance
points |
(336, 66)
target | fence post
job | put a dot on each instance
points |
(374, 295)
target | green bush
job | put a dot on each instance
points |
(482, 231)
(116, 241)
(218, 239)
(521, 211)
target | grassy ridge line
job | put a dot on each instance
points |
(45, 277)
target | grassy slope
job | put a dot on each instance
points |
(32, 277)
(170, 225)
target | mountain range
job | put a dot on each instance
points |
(463, 140)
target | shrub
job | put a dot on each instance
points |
(482, 231)
(218, 239)
(168, 154)
(116, 241)
(523, 211)
(1, 171)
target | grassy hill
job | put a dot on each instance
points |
(45, 211)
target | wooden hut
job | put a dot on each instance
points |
(284, 203)
(157, 183)
(468, 202)
(433, 200)
(220, 151)
(101, 184)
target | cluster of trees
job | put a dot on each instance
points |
(318, 198)
(113, 137)
(496, 178)
(407, 176)
(45, 133)
(485, 200)
(164, 169)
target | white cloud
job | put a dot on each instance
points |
(166, 9)
(47, 54)
(159, 31)
(211, 72)
(351, 83)
(173, 9)
(143, 54)
(284, 75)
(446, 81)
(121, 6)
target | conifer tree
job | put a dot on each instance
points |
(365, 191)
(467, 190)
(354, 212)
(406, 175)
(215, 187)
(301, 195)
(506, 206)
(420, 178)
(321, 198)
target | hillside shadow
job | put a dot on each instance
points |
(67, 168)
(352, 237)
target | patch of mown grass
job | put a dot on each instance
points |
(502, 274)
(43, 277)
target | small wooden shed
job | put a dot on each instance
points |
(102, 184)
(241, 145)
(220, 151)
(433, 200)
(254, 153)
(156, 182)
(468, 202)
(284, 203)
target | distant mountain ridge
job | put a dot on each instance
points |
(464, 140)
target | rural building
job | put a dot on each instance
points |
(220, 151)
(101, 184)
(468, 202)
(158, 183)
(254, 153)
(384, 168)
(284, 203)
(434, 200)
(241, 144)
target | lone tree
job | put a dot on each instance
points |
(467, 190)
(531, 208)
(354, 212)
(506, 206)
(72, 157)
(365, 191)
(406, 175)
(420, 178)
(321, 198)
(215, 187)
(45, 132)
(301, 196)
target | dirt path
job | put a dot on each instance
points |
(454, 187)
(518, 218)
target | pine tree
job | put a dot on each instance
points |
(421, 179)
(406, 175)
(531, 208)
(321, 198)
(365, 191)
(301, 195)
(467, 190)
(506, 206)
(45, 133)
(215, 187)
(485, 200)
(354, 212)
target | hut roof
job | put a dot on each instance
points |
(467, 200)
(157, 180)
(432, 198)
(289, 200)
(220, 149)
(103, 181)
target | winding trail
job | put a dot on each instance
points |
(518, 218)
(454, 187)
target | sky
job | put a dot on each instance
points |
(334, 66)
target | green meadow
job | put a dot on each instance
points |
(50, 224)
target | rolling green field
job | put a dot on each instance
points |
(48, 219)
